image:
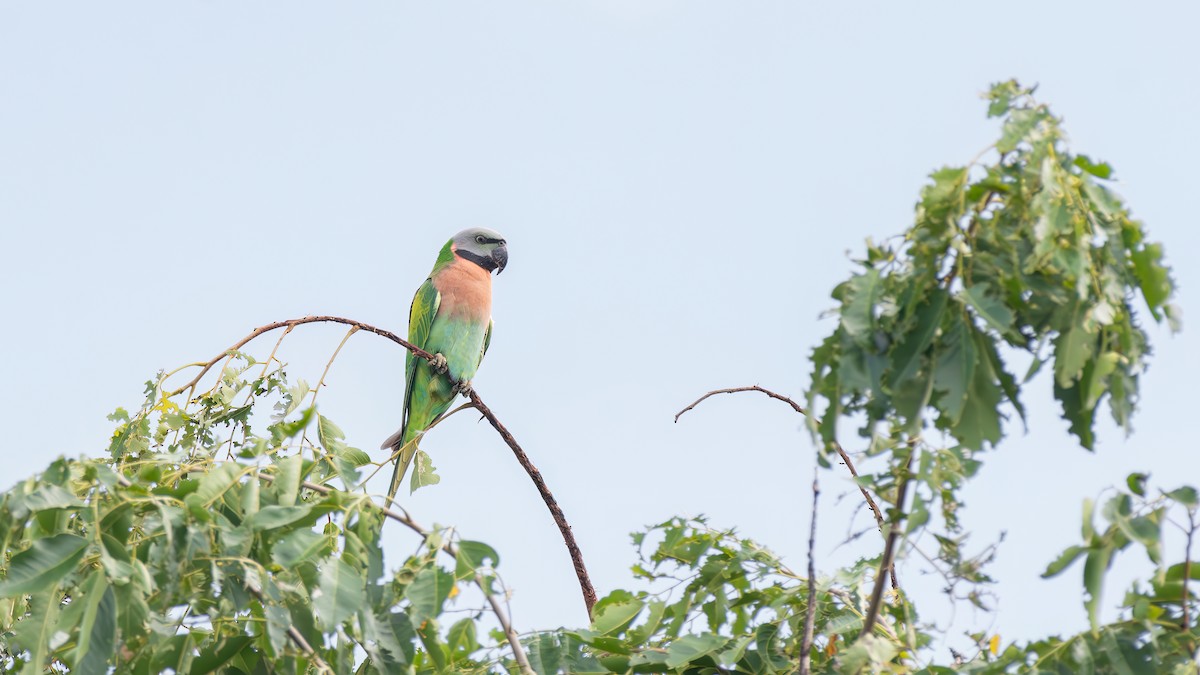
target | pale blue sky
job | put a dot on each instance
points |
(679, 183)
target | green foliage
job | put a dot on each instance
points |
(1030, 251)
(166, 556)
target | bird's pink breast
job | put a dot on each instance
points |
(466, 290)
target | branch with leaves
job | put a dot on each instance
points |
(581, 573)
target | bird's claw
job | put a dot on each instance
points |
(439, 364)
(463, 388)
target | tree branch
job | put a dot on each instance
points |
(585, 582)
(1187, 569)
(292, 323)
(837, 446)
(889, 550)
(296, 637)
(810, 611)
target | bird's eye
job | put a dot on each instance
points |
(480, 239)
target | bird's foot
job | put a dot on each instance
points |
(463, 388)
(439, 364)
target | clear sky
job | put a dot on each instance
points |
(680, 183)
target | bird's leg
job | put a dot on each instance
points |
(463, 388)
(439, 365)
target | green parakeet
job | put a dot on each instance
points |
(451, 318)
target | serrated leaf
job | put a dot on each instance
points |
(341, 592)
(613, 616)
(955, 370)
(989, 308)
(858, 312)
(980, 420)
(545, 653)
(1153, 278)
(38, 568)
(428, 592)
(328, 433)
(1063, 561)
(423, 472)
(906, 357)
(1072, 351)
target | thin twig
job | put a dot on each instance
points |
(297, 637)
(1187, 569)
(585, 582)
(329, 364)
(837, 446)
(450, 549)
(889, 550)
(810, 612)
(292, 323)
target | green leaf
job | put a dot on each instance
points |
(1097, 169)
(340, 593)
(1017, 128)
(1154, 279)
(1137, 483)
(35, 631)
(97, 628)
(271, 517)
(38, 568)
(1081, 419)
(462, 637)
(615, 612)
(1185, 495)
(329, 433)
(472, 555)
(1063, 561)
(428, 592)
(906, 358)
(1094, 569)
(980, 420)
(286, 479)
(213, 658)
(545, 653)
(218, 481)
(990, 308)
(423, 472)
(858, 318)
(955, 372)
(1072, 350)
(46, 496)
(297, 547)
(689, 648)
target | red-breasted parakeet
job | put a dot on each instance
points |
(451, 318)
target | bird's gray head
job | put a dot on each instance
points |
(481, 246)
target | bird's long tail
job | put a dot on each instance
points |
(402, 453)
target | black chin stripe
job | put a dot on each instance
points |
(484, 262)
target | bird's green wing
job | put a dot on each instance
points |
(420, 321)
(487, 341)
